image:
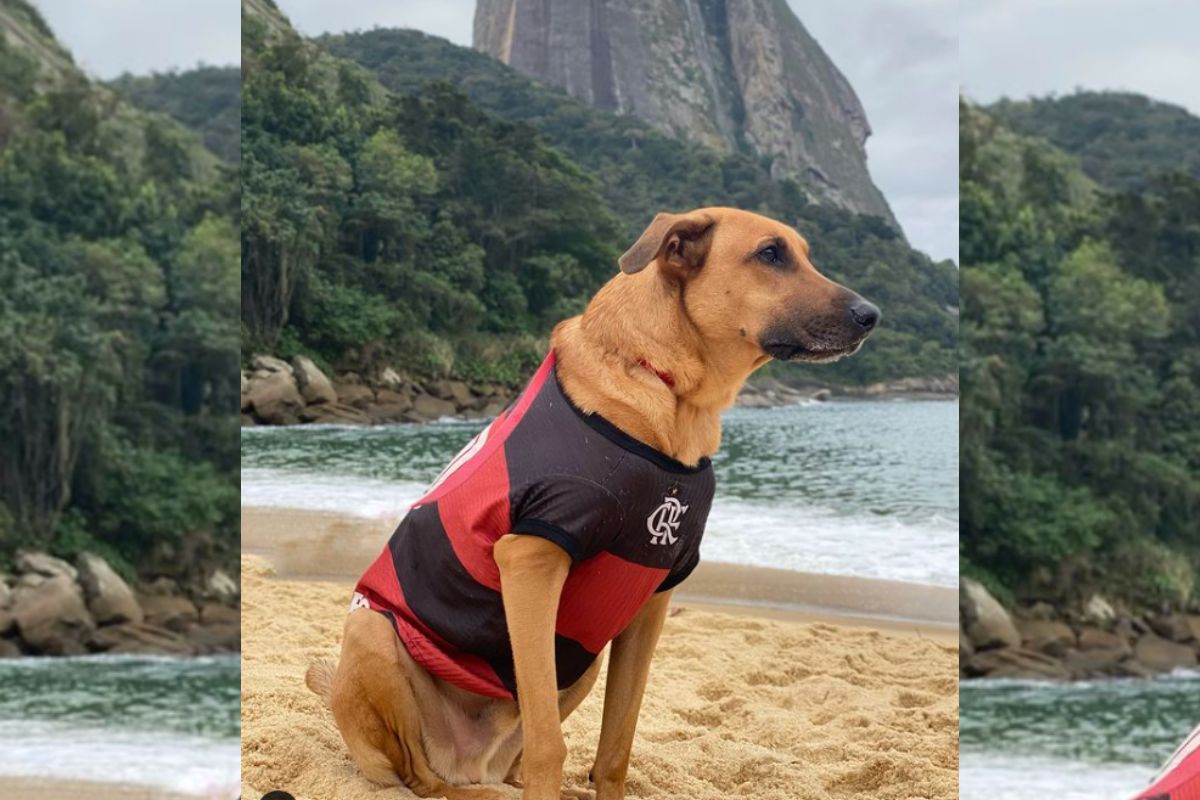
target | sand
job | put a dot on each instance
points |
(59, 789)
(770, 702)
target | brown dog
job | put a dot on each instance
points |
(704, 299)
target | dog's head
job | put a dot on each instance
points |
(748, 278)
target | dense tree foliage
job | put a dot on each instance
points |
(1122, 140)
(118, 340)
(464, 209)
(1081, 374)
(205, 99)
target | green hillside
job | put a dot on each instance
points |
(505, 211)
(205, 99)
(1080, 375)
(1122, 140)
(118, 349)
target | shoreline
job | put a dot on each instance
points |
(321, 546)
(35, 787)
(275, 392)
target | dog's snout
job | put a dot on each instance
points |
(864, 313)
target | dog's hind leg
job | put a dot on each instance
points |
(373, 703)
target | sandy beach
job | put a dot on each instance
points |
(757, 689)
(58, 789)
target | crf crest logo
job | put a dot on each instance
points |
(664, 521)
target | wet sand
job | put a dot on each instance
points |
(61, 789)
(756, 691)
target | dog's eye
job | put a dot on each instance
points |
(770, 255)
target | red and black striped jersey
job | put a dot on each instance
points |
(630, 517)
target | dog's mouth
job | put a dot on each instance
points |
(808, 353)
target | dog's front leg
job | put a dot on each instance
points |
(628, 669)
(532, 573)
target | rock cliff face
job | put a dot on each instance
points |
(731, 74)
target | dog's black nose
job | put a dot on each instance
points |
(864, 313)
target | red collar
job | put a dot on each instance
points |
(665, 377)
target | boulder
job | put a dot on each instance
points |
(161, 585)
(334, 414)
(493, 409)
(43, 564)
(390, 379)
(388, 397)
(5, 593)
(390, 412)
(460, 394)
(218, 614)
(1046, 636)
(1099, 610)
(30, 579)
(1097, 662)
(245, 396)
(985, 621)
(428, 408)
(267, 363)
(52, 617)
(1015, 663)
(313, 385)
(221, 587)
(1098, 639)
(965, 650)
(1193, 623)
(173, 612)
(822, 395)
(1175, 627)
(275, 398)
(140, 638)
(109, 598)
(8, 622)
(355, 395)
(9, 649)
(439, 389)
(222, 638)
(1162, 655)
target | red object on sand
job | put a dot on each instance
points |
(1180, 778)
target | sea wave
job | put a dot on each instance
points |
(177, 763)
(1008, 777)
(805, 539)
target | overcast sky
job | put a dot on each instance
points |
(108, 37)
(1145, 46)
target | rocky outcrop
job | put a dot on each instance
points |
(109, 598)
(52, 617)
(276, 393)
(1094, 640)
(742, 75)
(55, 609)
(984, 620)
(314, 386)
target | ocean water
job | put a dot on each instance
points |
(1101, 740)
(865, 488)
(158, 722)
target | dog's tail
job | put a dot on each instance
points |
(319, 678)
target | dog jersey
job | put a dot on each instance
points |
(629, 516)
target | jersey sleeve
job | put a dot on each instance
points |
(578, 515)
(679, 574)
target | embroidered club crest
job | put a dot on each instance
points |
(664, 521)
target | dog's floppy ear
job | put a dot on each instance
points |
(680, 240)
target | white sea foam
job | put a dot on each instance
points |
(739, 532)
(1011, 777)
(174, 762)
